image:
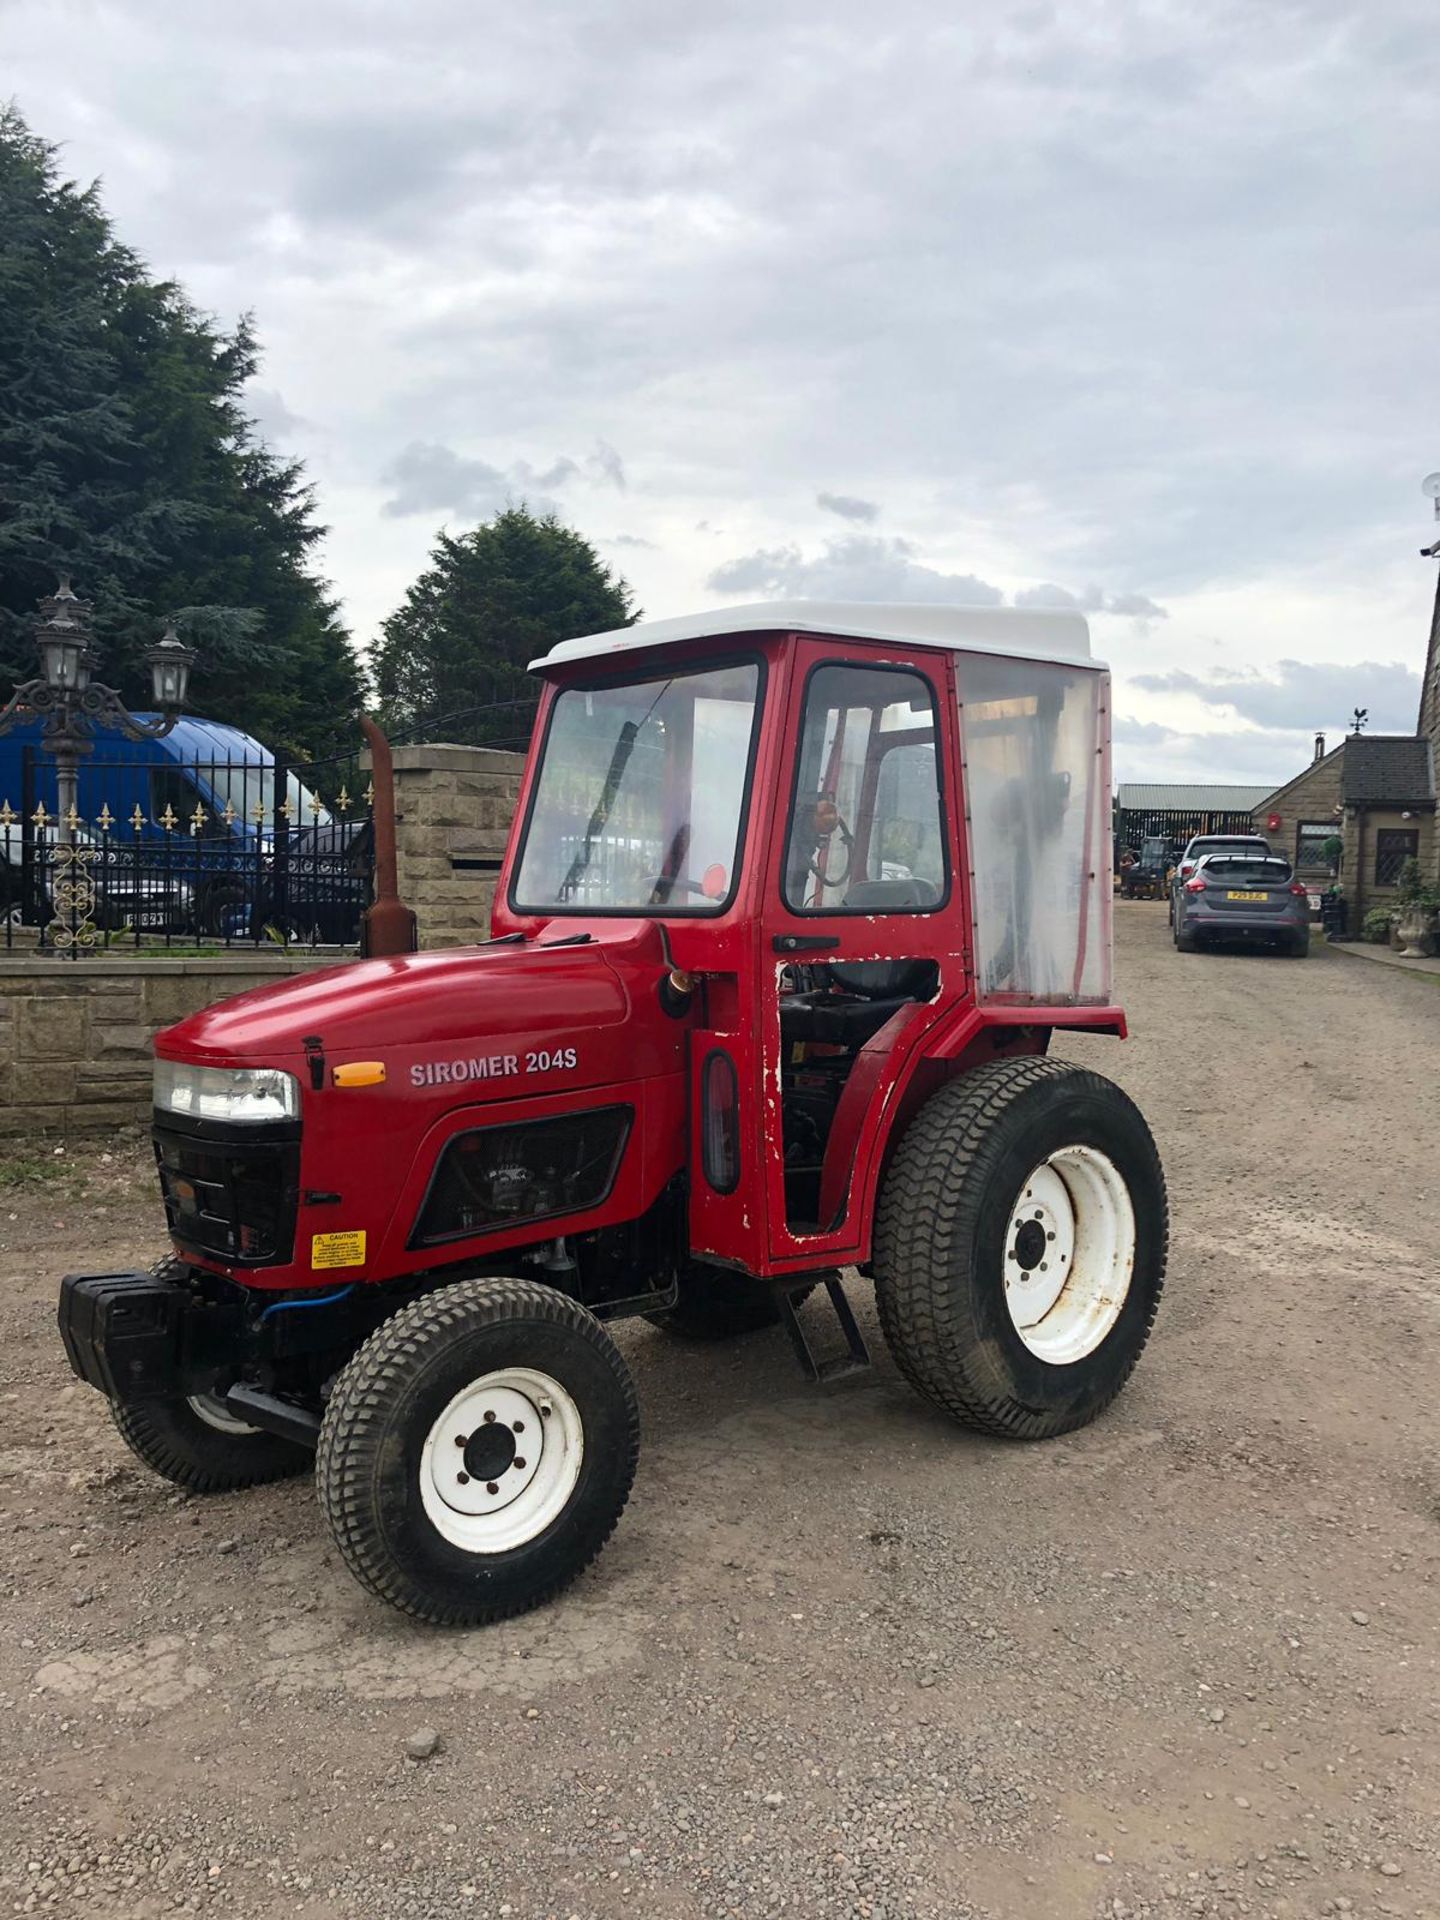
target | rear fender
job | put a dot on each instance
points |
(868, 1125)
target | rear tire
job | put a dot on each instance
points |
(1299, 947)
(715, 1304)
(988, 1166)
(420, 1470)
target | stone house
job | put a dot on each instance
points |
(1376, 792)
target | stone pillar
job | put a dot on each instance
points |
(453, 808)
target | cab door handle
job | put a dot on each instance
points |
(804, 942)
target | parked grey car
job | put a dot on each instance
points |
(1243, 896)
(1196, 848)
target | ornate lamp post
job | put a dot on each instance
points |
(73, 705)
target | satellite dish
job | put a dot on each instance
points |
(1430, 486)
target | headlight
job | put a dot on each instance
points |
(226, 1093)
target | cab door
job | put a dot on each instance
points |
(864, 929)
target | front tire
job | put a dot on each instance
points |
(1020, 1245)
(478, 1451)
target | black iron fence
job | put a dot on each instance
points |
(187, 852)
(175, 850)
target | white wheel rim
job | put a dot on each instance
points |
(210, 1408)
(502, 1460)
(1069, 1254)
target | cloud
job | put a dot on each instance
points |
(630, 540)
(1126, 732)
(606, 464)
(1136, 606)
(274, 421)
(429, 477)
(554, 476)
(848, 506)
(1303, 694)
(1090, 326)
(859, 566)
(1236, 755)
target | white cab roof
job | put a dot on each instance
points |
(1006, 630)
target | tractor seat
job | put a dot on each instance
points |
(834, 1019)
(872, 990)
(898, 980)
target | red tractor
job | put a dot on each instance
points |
(794, 900)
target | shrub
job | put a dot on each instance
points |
(1375, 927)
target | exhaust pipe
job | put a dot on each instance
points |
(387, 926)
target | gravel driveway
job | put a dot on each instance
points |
(840, 1658)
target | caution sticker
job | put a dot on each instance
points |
(338, 1249)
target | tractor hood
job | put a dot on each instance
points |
(466, 1014)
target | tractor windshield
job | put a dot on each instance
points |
(640, 797)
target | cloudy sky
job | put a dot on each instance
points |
(1132, 307)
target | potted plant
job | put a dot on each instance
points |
(1417, 904)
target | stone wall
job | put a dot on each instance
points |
(453, 808)
(75, 1035)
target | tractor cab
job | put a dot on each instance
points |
(795, 898)
(875, 839)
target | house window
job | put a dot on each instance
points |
(1311, 839)
(1393, 847)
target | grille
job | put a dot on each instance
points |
(231, 1197)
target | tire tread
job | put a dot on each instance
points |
(931, 1196)
(355, 1417)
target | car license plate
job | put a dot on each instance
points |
(1245, 896)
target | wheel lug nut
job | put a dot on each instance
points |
(519, 1426)
(463, 1478)
(489, 1416)
(461, 1439)
(1049, 1236)
(517, 1461)
(490, 1487)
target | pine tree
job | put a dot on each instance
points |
(128, 461)
(490, 601)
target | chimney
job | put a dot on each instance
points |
(1319, 746)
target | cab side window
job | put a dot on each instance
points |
(866, 820)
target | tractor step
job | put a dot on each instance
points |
(852, 1368)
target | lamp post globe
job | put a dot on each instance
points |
(64, 641)
(170, 662)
